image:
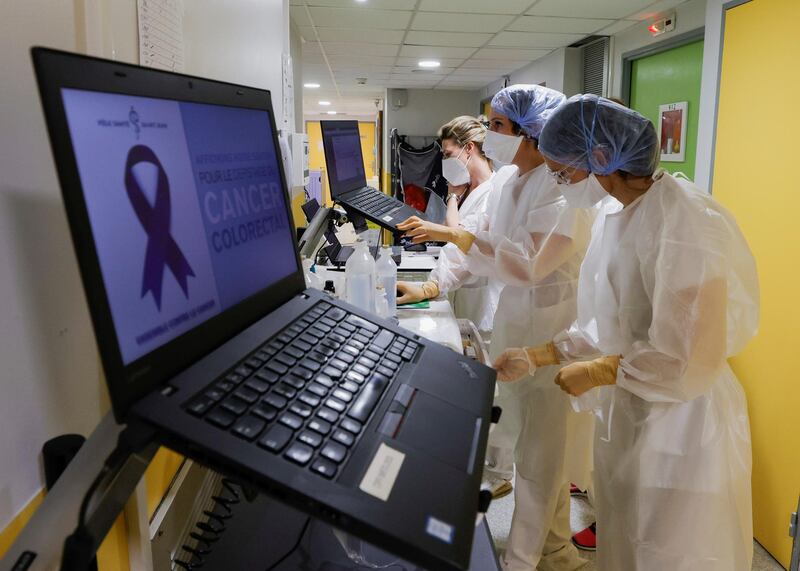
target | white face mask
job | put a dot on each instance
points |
(455, 171)
(583, 194)
(501, 148)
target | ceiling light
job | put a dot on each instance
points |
(325, 103)
(331, 112)
(361, 1)
(311, 85)
(429, 63)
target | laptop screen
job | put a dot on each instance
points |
(186, 207)
(342, 143)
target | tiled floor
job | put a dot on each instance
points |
(582, 515)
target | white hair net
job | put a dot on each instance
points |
(527, 105)
(594, 134)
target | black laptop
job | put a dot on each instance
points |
(181, 222)
(348, 183)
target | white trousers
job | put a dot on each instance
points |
(535, 424)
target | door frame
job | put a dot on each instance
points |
(629, 57)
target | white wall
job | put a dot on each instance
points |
(573, 72)
(688, 16)
(550, 70)
(562, 69)
(50, 379)
(240, 41)
(709, 92)
(296, 51)
(425, 111)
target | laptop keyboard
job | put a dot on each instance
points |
(374, 202)
(308, 392)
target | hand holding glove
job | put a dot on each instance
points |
(578, 378)
(515, 363)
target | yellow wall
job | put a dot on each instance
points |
(159, 475)
(756, 153)
(368, 148)
(12, 530)
(316, 153)
(113, 553)
(111, 556)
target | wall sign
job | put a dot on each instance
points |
(672, 119)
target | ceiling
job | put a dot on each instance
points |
(476, 41)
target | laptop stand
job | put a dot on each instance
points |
(39, 546)
(359, 222)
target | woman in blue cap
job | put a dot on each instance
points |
(668, 291)
(532, 242)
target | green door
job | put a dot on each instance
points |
(671, 76)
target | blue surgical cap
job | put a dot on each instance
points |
(597, 135)
(527, 105)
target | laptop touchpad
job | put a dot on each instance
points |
(434, 427)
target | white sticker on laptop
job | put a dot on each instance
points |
(382, 472)
(440, 530)
(387, 218)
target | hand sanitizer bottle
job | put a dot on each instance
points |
(312, 279)
(387, 277)
(359, 273)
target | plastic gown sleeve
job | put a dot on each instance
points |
(533, 253)
(572, 345)
(687, 342)
(450, 271)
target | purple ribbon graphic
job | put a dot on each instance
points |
(162, 250)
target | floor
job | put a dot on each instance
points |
(582, 515)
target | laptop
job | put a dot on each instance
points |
(181, 222)
(342, 144)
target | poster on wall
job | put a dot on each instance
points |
(161, 34)
(672, 131)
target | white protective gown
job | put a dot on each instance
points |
(473, 297)
(669, 284)
(533, 242)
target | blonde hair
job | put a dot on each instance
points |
(464, 130)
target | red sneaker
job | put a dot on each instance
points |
(586, 539)
(576, 491)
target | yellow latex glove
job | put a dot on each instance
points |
(515, 363)
(578, 378)
(423, 231)
(413, 292)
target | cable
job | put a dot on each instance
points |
(316, 256)
(80, 545)
(294, 548)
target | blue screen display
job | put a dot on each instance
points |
(343, 156)
(186, 207)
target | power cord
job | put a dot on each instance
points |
(79, 547)
(294, 548)
(316, 256)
